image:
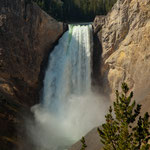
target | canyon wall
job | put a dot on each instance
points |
(27, 35)
(122, 53)
(125, 38)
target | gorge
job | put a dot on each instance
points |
(69, 108)
(121, 50)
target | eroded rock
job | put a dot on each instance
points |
(125, 40)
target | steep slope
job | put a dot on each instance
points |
(125, 40)
(27, 34)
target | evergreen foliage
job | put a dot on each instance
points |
(75, 10)
(119, 132)
(83, 144)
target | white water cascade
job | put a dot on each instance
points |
(69, 108)
(69, 70)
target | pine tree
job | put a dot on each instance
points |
(75, 10)
(83, 144)
(120, 132)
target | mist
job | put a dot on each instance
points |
(69, 108)
(54, 131)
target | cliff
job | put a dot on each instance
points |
(125, 38)
(27, 35)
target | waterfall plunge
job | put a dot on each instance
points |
(69, 108)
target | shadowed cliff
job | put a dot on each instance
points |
(27, 35)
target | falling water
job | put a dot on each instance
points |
(69, 108)
(69, 70)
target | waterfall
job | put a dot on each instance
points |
(69, 70)
(69, 108)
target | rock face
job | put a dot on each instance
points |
(125, 39)
(27, 34)
(122, 41)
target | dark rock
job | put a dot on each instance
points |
(99, 21)
(27, 35)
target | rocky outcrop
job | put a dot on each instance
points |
(99, 21)
(125, 40)
(27, 35)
